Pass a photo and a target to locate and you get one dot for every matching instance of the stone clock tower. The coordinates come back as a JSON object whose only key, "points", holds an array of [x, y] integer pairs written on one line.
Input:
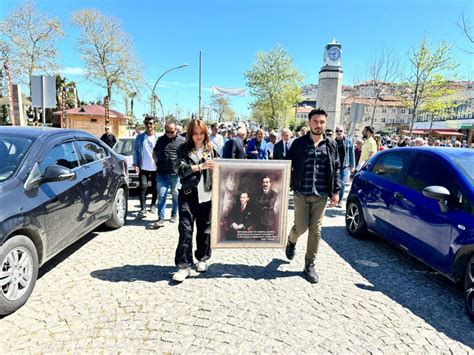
{"points": [[330, 84]]}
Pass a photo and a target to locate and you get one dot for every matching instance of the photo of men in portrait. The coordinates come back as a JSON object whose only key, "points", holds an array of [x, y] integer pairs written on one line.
{"points": [[250, 205]]}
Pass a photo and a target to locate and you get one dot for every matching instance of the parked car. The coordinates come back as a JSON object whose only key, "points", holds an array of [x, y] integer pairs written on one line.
{"points": [[422, 200], [56, 185], [125, 146]]}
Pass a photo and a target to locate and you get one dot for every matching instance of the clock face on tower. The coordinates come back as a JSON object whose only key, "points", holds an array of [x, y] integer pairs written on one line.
{"points": [[334, 54]]}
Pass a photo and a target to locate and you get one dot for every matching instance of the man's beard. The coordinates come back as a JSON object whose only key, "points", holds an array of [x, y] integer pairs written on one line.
{"points": [[317, 132]]}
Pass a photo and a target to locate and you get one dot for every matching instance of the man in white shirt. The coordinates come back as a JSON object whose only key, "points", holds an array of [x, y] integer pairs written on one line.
{"points": [[216, 139], [144, 164], [271, 144]]}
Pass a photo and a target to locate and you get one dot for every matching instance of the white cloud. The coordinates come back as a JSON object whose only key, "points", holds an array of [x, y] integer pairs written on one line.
{"points": [[72, 71]]}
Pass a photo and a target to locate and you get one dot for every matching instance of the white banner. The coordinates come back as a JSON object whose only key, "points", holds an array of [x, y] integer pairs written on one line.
{"points": [[229, 91]]}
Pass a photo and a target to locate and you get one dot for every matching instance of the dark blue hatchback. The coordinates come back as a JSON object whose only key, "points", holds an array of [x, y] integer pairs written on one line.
{"points": [[422, 200]]}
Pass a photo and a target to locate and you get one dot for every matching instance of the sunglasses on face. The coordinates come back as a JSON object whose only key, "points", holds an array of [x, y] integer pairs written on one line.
{"points": [[338, 130], [169, 132], [149, 123]]}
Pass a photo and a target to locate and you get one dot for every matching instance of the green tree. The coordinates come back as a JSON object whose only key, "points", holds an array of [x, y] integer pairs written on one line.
{"points": [[442, 99], [107, 51], [275, 84], [31, 38], [427, 69], [221, 106], [69, 87]]}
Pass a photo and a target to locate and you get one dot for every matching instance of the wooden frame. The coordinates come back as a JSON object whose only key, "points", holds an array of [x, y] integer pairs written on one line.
{"points": [[263, 221]]}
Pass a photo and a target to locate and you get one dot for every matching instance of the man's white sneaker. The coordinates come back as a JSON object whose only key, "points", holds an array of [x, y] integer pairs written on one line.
{"points": [[181, 274], [201, 266]]}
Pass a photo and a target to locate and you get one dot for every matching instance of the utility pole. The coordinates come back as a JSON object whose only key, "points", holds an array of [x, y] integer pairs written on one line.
{"points": [[200, 77]]}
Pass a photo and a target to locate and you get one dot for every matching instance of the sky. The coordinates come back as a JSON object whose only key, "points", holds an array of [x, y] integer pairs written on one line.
{"points": [[229, 33]]}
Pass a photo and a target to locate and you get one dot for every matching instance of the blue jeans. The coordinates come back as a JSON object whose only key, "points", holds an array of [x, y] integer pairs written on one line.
{"points": [[344, 175], [163, 182]]}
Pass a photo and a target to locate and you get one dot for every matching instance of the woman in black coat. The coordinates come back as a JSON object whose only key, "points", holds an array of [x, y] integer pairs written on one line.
{"points": [[194, 165]]}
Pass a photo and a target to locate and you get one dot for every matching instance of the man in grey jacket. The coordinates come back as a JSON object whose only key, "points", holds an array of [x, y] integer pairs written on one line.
{"points": [[345, 150]]}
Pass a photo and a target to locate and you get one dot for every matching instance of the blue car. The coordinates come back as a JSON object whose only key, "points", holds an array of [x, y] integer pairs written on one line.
{"points": [[422, 200]]}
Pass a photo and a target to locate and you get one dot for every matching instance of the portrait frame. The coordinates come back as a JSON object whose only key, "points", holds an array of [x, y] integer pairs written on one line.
{"points": [[245, 212]]}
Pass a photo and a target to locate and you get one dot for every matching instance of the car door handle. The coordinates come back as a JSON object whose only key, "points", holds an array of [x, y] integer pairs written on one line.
{"points": [[398, 196], [85, 181]]}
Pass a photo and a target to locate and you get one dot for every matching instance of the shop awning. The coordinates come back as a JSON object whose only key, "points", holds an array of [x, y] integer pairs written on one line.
{"points": [[449, 134], [413, 132]]}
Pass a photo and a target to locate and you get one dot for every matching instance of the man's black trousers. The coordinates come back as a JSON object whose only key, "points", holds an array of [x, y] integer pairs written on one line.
{"points": [[145, 176]]}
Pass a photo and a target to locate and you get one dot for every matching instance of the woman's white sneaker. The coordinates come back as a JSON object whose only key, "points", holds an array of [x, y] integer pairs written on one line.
{"points": [[181, 274], [201, 266]]}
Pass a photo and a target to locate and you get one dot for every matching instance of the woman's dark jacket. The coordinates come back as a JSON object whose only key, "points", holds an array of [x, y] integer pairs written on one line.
{"points": [[184, 164], [297, 156]]}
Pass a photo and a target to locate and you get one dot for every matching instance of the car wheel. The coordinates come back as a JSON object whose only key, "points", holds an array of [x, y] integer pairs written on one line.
{"points": [[18, 272], [119, 210], [469, 288], [355, 221]]}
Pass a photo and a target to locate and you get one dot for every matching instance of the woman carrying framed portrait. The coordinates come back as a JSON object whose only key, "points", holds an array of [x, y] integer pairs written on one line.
{"points": [[194, 164]]}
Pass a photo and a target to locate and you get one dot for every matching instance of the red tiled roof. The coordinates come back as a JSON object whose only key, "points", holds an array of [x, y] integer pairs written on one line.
{"points": [[92, 110]]}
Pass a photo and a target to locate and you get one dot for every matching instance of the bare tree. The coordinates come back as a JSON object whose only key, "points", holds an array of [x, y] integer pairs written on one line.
{"points": [[466, 26], [106, 50], [32, 39], [382, 71]]}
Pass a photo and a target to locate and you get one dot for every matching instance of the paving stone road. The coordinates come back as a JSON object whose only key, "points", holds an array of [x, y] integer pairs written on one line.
{"points": [[111, 292]]}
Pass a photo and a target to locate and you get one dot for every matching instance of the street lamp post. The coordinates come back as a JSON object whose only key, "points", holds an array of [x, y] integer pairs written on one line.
{"points": [[155, 97]]}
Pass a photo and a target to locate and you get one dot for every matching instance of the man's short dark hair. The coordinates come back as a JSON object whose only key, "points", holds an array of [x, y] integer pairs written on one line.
{"points": [[317, 111], [267, 177], [214, 125], [369, 129], [149, 118]]}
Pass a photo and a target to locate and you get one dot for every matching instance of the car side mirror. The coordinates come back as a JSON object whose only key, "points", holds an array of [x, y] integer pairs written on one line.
{"points": [[439, 193], [55, 173]]}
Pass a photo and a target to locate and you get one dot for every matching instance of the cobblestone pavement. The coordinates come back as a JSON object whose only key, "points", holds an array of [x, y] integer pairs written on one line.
{"points": [[111, 292]]}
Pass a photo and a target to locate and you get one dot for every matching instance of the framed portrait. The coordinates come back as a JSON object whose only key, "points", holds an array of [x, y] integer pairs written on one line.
{"points": [[250, 203]]}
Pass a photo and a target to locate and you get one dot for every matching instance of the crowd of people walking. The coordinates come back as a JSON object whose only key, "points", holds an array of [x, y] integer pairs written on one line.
{"points": [[182, 163]]}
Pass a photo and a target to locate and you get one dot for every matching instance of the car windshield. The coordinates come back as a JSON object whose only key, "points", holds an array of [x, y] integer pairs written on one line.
{"points": [[466, 164], [125, 146], [12, 152]]}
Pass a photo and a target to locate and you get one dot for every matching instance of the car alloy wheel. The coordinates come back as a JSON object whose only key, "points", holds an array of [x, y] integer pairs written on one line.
{"points": [[355, 222], [16, 273], [121, 206], [352, 217], [469, 288], [119, 210]]}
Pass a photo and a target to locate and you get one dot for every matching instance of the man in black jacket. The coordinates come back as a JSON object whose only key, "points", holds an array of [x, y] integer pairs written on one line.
{"points": [[165, 155], [108, 138], [240, 218], [314, 179], [234, 147]]}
